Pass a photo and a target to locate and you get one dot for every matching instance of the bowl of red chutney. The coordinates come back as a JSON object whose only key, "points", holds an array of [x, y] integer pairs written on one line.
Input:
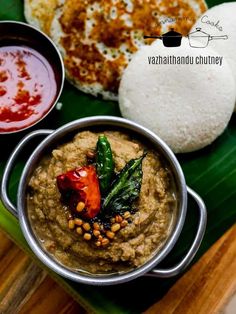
{"points": [[31, 76]]}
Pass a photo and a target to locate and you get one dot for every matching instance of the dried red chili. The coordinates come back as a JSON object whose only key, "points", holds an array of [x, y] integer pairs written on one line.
{"points": [[81, 185]]}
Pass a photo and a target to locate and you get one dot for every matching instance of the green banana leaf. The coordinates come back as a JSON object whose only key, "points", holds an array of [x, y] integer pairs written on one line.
{"points": [[211, 172]]}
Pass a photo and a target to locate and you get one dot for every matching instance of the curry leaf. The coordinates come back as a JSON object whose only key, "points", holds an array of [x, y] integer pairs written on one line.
{"points": [[126, 187]]}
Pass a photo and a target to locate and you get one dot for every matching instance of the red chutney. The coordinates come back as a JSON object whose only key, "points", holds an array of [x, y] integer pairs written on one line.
{"points": [[27, 87]]}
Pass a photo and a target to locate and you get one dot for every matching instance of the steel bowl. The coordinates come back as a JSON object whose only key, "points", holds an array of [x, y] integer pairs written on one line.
{"points": [[53, 138], [22, 34]]}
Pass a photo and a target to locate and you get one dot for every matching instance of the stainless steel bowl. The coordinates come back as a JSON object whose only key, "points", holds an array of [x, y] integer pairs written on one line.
{"points": [[22, 34], [68, 130]]}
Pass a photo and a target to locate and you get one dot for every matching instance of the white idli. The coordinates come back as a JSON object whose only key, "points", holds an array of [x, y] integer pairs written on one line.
{"points": [[188, 106], [217, 21]]}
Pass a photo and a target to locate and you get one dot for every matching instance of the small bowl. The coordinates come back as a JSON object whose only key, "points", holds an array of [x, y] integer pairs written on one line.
{"points": [[53, 138], [24, 36]]}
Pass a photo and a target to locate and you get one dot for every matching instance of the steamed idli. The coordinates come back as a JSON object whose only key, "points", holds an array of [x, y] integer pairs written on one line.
{"points": [[187, 105], [217, 21]]}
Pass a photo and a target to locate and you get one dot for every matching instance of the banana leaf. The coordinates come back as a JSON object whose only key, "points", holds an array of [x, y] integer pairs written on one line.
{"points": [[210, 171]]}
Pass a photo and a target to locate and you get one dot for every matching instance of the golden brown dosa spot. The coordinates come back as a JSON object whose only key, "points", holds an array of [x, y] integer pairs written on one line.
{"points": [[41, 11]]}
